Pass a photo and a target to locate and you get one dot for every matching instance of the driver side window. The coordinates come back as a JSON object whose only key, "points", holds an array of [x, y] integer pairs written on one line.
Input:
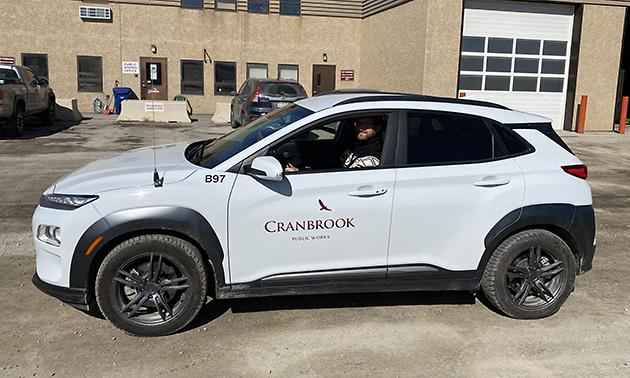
{"points": [[328, 146]]}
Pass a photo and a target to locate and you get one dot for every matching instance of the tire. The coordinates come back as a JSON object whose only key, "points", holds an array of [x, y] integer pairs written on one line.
{"points": [[48, 115], [16, 123], [154, 302], [530, 275]]}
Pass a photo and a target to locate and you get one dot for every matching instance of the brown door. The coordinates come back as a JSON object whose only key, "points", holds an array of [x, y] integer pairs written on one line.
{"points": [[153, 79], [323, 78]]}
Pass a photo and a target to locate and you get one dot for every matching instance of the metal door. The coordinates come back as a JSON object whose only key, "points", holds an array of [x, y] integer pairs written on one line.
{"points": [[323, 78], [153, 79]]}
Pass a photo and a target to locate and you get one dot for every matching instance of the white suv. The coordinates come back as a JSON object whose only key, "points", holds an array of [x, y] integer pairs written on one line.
{"points": [[466, 195]]}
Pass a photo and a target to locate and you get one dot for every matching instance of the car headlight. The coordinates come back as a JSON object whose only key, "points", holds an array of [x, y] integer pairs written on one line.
{"points": [[68, 201], [49, 234]]}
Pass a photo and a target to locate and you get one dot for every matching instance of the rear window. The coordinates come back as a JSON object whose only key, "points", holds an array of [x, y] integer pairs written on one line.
{"points": [[6, 74], [281, 89]]}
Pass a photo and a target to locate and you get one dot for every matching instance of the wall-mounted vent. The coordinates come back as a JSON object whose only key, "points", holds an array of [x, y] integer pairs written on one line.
{"points": [[95, 13]]}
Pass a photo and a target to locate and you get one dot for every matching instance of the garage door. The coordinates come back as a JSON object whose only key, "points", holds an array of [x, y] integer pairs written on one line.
{"points": [[517, 54]]}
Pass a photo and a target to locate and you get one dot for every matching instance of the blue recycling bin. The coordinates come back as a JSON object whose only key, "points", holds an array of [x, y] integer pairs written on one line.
{"points": [[120, 94]]}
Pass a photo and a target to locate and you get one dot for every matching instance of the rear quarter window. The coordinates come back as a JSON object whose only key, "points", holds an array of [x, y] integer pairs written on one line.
{"points": [[513, 142]]}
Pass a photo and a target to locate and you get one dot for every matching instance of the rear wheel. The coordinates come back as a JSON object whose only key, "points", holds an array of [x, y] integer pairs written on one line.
{"points": [[16, 123], [151, 285], [530, 275], [48, 115]]}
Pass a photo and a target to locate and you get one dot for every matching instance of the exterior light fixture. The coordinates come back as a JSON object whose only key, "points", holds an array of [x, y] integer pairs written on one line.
{"points": [[325, 57], [153, 49]]}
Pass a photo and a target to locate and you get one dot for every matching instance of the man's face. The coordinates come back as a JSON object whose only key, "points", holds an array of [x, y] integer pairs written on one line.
{"points": [[366, 129]]}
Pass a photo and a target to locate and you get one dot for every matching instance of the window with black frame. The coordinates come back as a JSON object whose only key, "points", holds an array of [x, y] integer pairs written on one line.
{"points": [[258, 6], [90, 73], [38, 63], [192, 77], [290, 7], [224, 77], [192, 3], [225, 5]]}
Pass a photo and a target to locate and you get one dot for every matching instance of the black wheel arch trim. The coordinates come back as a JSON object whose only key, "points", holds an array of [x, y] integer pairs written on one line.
{"points": [[574, 224], [114, 228]]}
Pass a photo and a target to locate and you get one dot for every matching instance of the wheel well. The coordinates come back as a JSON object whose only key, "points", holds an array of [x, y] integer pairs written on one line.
{"points": [[559, 231], [20, 104], [111, 244]]}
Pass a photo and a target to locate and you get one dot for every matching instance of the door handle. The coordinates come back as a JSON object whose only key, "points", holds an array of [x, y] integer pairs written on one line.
{"points": [[367, 192], [492, 181]]}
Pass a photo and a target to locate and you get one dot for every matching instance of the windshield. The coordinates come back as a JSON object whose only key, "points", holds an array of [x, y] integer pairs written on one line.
{"points": [[213, 152]]}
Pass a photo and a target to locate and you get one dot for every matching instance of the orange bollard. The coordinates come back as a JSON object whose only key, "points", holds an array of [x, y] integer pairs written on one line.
{"points": [[624, 114], [580, 128]]}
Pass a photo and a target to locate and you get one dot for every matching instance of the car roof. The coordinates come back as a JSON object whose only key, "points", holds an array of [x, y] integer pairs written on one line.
{"points": [[359, 96], [274, 80]]}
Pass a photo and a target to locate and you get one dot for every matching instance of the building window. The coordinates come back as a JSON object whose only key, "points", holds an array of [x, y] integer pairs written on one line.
{"points": [[257, 70], [90, 73], [225, 5], [192, 3], [224, 77], [512, 65], [258, 6], [290, 7], [289, 71], [38, 63], [192, 77]]}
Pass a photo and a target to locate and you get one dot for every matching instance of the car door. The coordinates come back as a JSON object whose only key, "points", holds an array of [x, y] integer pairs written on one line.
{"points": [[240, 101], [34, 91], [456, 183], [313, 226]]}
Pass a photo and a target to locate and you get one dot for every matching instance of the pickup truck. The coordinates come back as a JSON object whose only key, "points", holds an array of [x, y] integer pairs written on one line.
{"points": [[23, 94]]}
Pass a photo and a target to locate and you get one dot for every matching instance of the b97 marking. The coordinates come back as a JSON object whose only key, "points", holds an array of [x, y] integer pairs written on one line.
{"points": [[214, 179]]}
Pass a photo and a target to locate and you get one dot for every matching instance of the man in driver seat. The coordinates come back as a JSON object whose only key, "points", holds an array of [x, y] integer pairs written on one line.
{"points": [[368, 146]]}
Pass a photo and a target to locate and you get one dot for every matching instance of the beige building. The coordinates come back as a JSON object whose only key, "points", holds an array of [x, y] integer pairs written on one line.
{"points": [[537, 56]]}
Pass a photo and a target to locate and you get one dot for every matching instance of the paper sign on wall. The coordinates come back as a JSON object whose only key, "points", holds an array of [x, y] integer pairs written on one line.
{"points": [[131, 68], [153, 71]]}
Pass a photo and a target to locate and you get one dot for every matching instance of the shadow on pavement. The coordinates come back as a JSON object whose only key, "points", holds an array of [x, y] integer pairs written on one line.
{"points": [[216, 308], [34, 128]]}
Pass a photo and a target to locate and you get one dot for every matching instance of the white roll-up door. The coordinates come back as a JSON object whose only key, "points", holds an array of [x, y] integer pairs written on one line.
{"points": [[517, 54]]}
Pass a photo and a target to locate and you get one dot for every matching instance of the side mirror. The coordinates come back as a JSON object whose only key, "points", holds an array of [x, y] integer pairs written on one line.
{"points": [[43, 82], [233, 93], [266, 168]]}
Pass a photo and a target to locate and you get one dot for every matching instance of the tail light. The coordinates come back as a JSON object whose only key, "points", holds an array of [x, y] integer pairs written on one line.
{"points": [[1, 95], [579, 171], [255, 98], [305, 94]]}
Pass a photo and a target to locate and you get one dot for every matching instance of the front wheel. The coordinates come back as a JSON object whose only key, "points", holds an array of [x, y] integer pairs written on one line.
{"points": [[151, 285], [530, 275], [48, 115]]}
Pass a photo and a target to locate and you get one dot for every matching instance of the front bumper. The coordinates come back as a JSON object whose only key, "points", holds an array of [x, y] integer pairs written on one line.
{"points": [[77, 298]]}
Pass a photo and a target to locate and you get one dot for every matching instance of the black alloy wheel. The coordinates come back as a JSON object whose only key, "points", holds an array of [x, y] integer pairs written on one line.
{"points": [[48, 116], [151, 285], [530, 275]]}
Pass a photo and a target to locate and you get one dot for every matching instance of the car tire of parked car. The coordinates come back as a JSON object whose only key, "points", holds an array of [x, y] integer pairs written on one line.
{"points": [[48, 116], [154, 301], [16, 122], [530, 275]]}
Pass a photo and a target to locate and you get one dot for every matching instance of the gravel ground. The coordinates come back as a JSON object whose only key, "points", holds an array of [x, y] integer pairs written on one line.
{"points": [[383, 335]]}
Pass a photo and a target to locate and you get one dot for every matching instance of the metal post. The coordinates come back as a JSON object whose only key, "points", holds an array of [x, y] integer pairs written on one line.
{"points": [[624, 114], [580, 128]]}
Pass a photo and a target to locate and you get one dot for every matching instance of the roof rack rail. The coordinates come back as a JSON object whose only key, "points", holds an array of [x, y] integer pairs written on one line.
{"points": [[389, 96], [349, 91]]}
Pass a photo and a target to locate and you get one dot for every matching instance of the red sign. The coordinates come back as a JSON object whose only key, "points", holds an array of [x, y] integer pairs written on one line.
{"points": [[347, 75], [7, 60]]}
